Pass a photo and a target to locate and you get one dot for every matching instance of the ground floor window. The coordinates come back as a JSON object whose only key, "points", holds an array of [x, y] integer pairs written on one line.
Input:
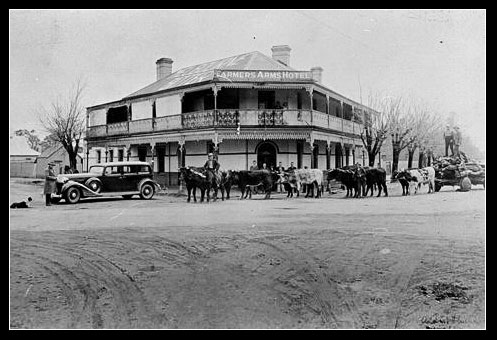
{"points": [[161, 153], [315, 157], [142, 153]]}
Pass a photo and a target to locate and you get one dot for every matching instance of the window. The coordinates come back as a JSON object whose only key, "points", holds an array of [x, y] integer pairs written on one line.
{"points": [[120, 155], [137, 169], [300, 151], [161, 154], [154, 110], [97, 170], [99, 156], [117, 114], [142, 153], [266, 99], [299, 101], [111, 155], [228, 99], [347, 111]]}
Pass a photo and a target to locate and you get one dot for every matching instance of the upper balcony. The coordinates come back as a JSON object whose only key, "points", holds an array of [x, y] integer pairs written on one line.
{"points": [[227, 118]]}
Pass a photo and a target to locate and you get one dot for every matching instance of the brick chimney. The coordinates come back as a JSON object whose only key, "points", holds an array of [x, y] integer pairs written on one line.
{"points": [[164, 67], [317, 73], [281, 53]]}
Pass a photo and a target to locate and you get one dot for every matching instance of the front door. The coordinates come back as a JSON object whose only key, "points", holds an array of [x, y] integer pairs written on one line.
{"points": [[266, 153]]}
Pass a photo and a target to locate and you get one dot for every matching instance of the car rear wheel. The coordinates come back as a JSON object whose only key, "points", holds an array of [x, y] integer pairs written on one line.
{"points": [[72, 195], [147, 191]]}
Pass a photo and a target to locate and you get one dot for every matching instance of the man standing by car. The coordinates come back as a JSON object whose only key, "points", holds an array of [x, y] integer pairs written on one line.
{"points": [[50, 179]]}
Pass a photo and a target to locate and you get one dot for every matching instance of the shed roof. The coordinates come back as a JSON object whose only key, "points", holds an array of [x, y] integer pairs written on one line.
{"points": [[19, 147]]}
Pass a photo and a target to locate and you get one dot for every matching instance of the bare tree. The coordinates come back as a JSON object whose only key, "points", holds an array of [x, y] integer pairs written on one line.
{"points": [[375, 127], [401, 124], [65, 121], [423, 123]]}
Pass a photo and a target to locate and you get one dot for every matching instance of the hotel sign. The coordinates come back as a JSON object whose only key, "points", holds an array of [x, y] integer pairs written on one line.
{"points": [[262, 76]]}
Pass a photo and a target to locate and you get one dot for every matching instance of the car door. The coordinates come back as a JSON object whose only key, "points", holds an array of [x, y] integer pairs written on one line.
{"points": [[131, 178], [112, 179]]}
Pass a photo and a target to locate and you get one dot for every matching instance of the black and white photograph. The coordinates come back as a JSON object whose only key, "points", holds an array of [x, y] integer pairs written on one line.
{"points": [[247, 169]]}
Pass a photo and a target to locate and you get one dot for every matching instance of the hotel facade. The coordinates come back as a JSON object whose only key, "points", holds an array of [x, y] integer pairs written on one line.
{"points": [[242, 108]]}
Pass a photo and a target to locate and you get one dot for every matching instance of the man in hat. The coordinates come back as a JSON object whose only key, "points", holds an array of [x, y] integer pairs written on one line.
{"points": [[449, 140], [457, 140], [50, 179], [254, 166], [212, 166]]}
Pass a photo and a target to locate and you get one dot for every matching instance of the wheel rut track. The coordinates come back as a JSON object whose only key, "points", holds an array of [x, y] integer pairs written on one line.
{"points": [[321, 291], [129, 302]]}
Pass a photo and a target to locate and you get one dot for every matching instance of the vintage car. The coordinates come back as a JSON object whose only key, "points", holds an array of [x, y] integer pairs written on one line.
{"points": [[108, 179]]}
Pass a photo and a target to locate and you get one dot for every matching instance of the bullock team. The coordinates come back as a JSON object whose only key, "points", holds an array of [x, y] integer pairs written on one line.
{"points": [[359, 181]]}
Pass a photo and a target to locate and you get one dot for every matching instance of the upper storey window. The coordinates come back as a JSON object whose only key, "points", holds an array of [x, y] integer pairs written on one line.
{"points": [[117, 114]]}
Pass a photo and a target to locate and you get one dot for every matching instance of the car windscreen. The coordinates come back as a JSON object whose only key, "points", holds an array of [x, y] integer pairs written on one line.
{"points": [[97, 170]]}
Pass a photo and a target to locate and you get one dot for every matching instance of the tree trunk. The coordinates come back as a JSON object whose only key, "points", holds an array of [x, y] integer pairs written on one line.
{"points": [[421, 159], [371, 158], [73, 162], [410, 158], [395, 157]]}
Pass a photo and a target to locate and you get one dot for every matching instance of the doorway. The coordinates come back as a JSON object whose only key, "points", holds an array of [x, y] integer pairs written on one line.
{"points": [[266, 153]]}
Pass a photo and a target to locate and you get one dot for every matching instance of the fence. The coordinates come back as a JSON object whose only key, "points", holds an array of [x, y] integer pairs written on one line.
{"points": [[22, 169]]}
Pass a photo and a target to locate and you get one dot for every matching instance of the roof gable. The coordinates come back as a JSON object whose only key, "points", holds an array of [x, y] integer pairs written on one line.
{"points": [[19, 147], [205, 72]]}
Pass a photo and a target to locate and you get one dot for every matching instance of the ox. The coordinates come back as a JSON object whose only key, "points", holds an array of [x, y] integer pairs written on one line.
{"points": [[359, 179], [194, 178], [415, 178], [249, 189], [428, 174], [255, 177], [344, 176], [310, 178], [376, 177], [225, 183]]}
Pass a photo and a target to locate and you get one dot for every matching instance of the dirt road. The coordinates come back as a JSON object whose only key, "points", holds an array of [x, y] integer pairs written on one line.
{"points": [[394, 262]]}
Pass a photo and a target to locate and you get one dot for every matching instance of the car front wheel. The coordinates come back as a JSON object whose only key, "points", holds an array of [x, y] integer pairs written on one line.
{"points": [[94, 186], [72, 195], [147, 191]]}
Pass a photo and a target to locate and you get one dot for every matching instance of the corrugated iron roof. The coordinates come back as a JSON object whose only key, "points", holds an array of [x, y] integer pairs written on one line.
{"points": [[205, 72], [19, 147]]}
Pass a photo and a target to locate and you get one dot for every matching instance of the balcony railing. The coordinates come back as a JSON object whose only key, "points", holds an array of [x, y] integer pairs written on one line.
{"points": [[227, 118]]}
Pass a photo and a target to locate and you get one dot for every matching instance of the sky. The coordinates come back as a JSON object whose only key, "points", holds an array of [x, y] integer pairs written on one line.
{"points": [[435, 56]]}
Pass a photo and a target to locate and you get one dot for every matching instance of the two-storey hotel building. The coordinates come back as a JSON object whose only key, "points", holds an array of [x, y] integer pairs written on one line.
{"points": [[243, 108]]}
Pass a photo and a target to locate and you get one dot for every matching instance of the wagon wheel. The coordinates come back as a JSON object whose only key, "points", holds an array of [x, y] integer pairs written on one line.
{"points": [[465, 184]]}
